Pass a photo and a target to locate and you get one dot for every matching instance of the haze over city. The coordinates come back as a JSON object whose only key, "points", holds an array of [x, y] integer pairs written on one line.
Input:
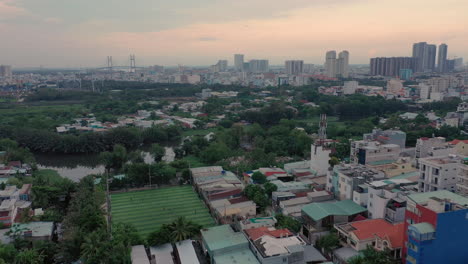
{"points": [[82, 33]]}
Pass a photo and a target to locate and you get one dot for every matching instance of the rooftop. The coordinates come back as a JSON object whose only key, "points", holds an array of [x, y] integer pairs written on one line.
{"points": [[424, 228], [423, 198], [244, 256], [187, 254], [220, 237], [37, 229], [163, 253], [318, 211], [368, 229]]}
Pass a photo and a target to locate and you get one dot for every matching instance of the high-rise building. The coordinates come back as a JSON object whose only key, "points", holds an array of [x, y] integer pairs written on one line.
{"points": [[221, 66], [337, 67], [406, 74], [294, 67], [330, 63], [5, 71], [391, 66], [258, 66], [442, 58], [343, 64], [239, 62], [425, 55]]}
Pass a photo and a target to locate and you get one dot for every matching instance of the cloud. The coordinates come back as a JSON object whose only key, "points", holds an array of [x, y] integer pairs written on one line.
{"points": [[207, 39], [9, 10], [53, 20]]}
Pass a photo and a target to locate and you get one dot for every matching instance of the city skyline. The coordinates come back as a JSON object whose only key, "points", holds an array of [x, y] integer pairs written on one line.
{"points": [[58, 34]]}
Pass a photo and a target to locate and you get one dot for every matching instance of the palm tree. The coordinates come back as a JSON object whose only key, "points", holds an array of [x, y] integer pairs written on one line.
{"points": [[95, 247], [29, 256], [182, 229]]}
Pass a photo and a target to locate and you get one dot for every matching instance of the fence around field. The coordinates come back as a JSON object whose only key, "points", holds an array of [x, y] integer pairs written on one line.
{"points": [[148, 210]]}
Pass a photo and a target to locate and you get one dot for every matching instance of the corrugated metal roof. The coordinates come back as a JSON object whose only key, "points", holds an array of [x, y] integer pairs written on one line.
{"points": [[318, 211]]}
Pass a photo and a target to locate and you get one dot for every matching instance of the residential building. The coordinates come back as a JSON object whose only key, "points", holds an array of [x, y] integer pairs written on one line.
{"points": [[34, 231], [425, 146], [228, 212], [391, 66], [276, 246], [345, 179], [186, 253], [291, 186], [319, 159], [394, 86], [294, 67], [239, 62], [442, 58], [406, 74], [293, 207], [380, 193], [337, 67], [162, 254], [389, 136], [425, 55], [5, 71], [438, 173], [138, 255], [318, 218], [462, 178], [350, 87], [376, 233], [258, 66], [268, 221], [373, 152], [436, 227], [10, 210], [222, 245]]}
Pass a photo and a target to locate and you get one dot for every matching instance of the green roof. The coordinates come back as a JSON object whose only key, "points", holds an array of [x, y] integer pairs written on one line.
{"points": [[424, 228], [244, 256], [261, 219], [422, 198], [38, 229], [381, 162], [318, 211], [220, 237]]}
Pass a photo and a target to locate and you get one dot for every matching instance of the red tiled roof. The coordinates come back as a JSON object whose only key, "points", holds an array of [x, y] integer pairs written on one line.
{"points": [[238, 200], [456, 141], [381, 228], [256, 233]]}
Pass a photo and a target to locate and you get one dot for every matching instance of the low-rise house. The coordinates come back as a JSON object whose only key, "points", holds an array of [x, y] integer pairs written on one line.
{"points": [[373, 152], [10, 210], [162, 254], [186, 253], [223, 246], [256, 222], [293, 207], [227, 212], [318, 218], [272, 245], [34, 230], [377, 233], [139, 255], [291, 186]]}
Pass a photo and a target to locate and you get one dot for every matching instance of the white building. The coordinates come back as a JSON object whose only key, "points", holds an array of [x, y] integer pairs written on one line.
{"points": [[350, 87], [438, 173], [373, 152], [319, 159]]}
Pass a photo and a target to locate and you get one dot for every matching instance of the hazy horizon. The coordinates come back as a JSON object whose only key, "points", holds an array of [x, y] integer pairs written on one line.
{"points": [[60, 34]]}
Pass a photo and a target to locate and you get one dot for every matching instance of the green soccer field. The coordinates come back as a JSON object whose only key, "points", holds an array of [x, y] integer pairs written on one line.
{"points": [[148, 210]]}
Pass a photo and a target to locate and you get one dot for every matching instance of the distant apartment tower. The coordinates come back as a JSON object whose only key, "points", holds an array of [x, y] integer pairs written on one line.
{"points": [[221, 66], [442, 58], [5, 71], [425, 55], [390, 66], [330, 63], [239, 62], [258, 66], [337, 67], [406, 74], [294, 67]]}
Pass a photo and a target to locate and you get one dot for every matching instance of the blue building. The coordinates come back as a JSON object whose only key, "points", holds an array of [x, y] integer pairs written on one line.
{"points": [[437, 228], [406, 74]]}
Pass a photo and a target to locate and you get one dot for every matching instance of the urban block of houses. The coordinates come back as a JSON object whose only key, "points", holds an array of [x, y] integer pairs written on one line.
{"points": [[271, 245], [12, 192], [346, 178], [270, 173], [10, 210], [436, 223], [318, 218], [376, 195], [377, 233], [390, 136], [13, 168], [223, 245], [34, 231], [291, 186], [227, 212], [373, 152], [293, 207]]}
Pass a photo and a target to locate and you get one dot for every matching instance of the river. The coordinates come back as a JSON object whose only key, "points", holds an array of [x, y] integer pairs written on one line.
{"points": [[77, 166]]}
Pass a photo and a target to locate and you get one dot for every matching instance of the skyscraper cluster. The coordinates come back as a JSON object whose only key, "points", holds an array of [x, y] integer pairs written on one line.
{"points": [[391, 66], [422, 60], [255, 66], [5, 71], [239, 62], [294, 67], [337, 67]]}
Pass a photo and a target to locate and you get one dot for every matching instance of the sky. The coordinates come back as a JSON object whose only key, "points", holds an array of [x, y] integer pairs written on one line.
{"points": [[82, 33]]}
